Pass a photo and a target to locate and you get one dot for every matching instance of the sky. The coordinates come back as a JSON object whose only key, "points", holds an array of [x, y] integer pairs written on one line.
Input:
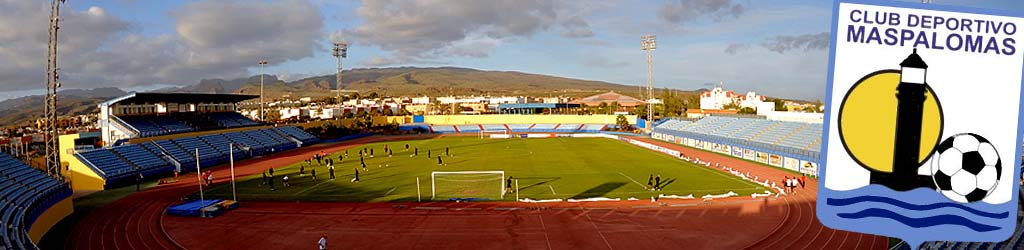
{"points": [[775, 48]]}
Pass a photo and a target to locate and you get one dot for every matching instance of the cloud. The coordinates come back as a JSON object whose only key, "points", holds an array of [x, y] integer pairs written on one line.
{"points": [[428, 30], [807, 42], [736, 48], [212, 39], [683, 11], [576, 27]]}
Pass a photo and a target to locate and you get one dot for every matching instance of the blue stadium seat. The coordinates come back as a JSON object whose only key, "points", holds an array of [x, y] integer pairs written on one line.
{"points": [[468, 128], [443, 129], [23, 197], [494, 128], [793, 137], [296, 133], [519, 127], [568, 127], [543, 128], [593, 128]]}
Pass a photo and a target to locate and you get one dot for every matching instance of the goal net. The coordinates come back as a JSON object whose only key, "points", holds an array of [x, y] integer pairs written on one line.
{"points": [[467, 185]]}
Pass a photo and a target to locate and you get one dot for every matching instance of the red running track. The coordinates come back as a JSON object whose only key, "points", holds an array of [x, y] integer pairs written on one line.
{"points": [[138, 222]]}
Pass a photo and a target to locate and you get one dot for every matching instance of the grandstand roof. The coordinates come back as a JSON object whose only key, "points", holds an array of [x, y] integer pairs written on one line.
{"points": [[178, 98], [623, 100]]}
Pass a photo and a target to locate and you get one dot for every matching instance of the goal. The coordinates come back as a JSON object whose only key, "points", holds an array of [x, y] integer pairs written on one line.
{"points": [[467, 185]]}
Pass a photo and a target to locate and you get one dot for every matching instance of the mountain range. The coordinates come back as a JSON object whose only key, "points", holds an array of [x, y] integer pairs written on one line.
{"points": [[401, 81]]}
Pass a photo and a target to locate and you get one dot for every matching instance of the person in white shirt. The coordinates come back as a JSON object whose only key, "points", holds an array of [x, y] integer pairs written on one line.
{"points": [[322, 243]]}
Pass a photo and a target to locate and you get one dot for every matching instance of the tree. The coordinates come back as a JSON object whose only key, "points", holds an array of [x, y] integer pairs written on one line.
{"points": [[780, 105], [602, 108], [641, 111], [672, 104], [614, 106], [273, 116], [622, 123], [692, 102], [388, 112], [747, 110], [730, 106]]}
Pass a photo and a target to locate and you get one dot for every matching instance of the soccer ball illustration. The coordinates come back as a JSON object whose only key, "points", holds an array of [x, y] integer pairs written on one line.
{"points": [[966, 168]]}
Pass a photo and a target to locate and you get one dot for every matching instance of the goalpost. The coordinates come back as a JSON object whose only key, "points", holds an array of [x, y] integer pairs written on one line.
{"points": [[467, 184]]}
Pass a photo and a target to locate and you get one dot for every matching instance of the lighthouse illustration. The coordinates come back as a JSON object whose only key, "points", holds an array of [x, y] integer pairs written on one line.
{"points": [[910, 96]]}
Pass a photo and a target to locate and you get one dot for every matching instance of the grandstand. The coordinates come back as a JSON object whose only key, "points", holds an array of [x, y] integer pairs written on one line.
{"points": [[776, 139], [26, 194], [140, 115], [519, 128], [118, 165]]}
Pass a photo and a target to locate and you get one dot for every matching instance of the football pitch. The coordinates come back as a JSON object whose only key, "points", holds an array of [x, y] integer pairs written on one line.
{"points": [[548, 168]]}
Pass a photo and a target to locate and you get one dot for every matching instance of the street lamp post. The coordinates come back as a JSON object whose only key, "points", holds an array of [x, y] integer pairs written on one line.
{"points": [[262, 64], [648, 44]]}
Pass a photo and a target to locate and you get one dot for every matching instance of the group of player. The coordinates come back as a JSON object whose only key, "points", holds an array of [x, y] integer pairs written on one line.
{"points": [[323, 159], [792, 182], [654, 182]]}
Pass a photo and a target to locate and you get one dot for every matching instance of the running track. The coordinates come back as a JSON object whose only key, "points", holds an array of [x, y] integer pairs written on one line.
{"points": [[138, 222]]}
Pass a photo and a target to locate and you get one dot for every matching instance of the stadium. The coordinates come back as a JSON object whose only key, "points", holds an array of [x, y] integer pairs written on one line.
{"points": [[412, 157], [486, 181]]}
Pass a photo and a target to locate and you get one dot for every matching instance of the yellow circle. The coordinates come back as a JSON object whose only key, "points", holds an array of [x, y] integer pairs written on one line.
{"points": [[867, 121]]}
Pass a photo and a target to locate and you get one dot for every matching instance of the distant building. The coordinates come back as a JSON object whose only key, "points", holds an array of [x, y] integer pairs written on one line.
{"points": [[718, 98]]}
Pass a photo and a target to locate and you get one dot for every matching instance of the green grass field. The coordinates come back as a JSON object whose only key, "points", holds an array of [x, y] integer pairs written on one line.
{"points": [[545, 168]]}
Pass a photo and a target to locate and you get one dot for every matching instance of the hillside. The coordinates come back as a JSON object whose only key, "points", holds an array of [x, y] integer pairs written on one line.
{"points": [[403, 81], [70, 102], [412, 81]]}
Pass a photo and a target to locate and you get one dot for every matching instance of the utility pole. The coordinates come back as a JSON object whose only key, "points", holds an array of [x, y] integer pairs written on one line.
{"points": [[50, 133], [647, 44]]}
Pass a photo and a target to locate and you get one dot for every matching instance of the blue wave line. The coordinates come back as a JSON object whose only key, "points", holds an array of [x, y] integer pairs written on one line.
{"points": [[919, 222], [905, 205]]}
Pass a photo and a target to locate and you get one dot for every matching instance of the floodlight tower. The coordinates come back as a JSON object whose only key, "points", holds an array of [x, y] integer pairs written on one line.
{"points": [[262, 64], [50, 134], [340, 51], [647, 44]]}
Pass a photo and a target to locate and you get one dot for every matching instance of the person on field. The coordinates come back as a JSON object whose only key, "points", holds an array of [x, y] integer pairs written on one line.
{"points": [[356, 180], [322, 243], [364, 166], [264, 178], [428, 154], [371, 153], [270, 179], [330, 169], [439, 160], [284, 181], [446, 151], [416, 152], [271, 170], [302, 170], [313, 173], [138, 179], [406, 147], [650, 182], [803, 181], [657, 182], [508, 185]]}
